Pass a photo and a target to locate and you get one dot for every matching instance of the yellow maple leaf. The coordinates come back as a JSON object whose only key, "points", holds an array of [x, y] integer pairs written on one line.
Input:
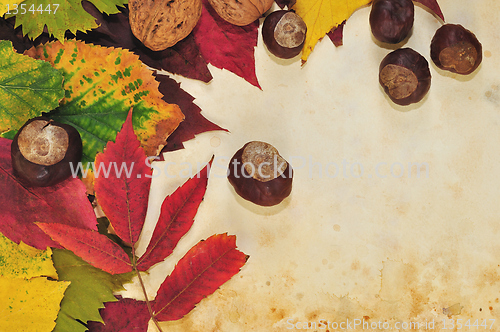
{"points": [[28, 300], [321, 16]]}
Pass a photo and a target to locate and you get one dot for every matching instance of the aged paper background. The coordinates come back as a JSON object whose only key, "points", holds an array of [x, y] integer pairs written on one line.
{"points": [[392, 247]]}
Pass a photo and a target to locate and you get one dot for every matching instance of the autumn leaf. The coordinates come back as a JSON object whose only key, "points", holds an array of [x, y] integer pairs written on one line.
{"points": [[89, 289], [6, 5], [23, 261], [203, 269], [193, 124], [30, 305], [126, 315], [433, 6], [321, 16], [227, 46], [183, 58], [94, 248], [124, 197], [28, 300], [336, 34], [176, 218], [58, 17], [65, 203], [102, 84], [27, 88]]}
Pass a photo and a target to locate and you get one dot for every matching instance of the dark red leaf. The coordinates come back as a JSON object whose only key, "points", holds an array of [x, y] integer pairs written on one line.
{"points": [[126, 315], [194, 123], [204, 268], [64, 203], [176, 218], [184, 58], [336, 34], [123, 197], [227, 46], [92, 247], [433, 6]]}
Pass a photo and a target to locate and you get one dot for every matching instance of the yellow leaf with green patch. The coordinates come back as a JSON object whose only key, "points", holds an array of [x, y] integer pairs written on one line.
{"points": [[28, 300], [23, 261], [102, 84], [27, 88], [321, 16], [30, 305]]}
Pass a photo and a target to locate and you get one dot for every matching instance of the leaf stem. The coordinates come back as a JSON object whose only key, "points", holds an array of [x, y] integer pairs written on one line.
{"points": [[134, 265]]}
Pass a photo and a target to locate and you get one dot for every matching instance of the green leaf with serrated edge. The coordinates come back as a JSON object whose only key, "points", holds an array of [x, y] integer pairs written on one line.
{"points": [[59, 16], [102, 84], [89, 289], [27, 88]]}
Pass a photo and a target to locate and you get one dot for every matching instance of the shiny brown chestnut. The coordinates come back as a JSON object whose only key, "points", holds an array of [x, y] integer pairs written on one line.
{"points": [[391, 20], [42, 151], [259, 174], [456, 49], [284, 33], [404, 74]]}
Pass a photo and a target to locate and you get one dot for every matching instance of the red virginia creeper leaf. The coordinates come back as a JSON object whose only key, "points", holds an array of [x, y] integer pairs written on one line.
{"points": [[92, 247], [126, 315], [194, 123], [433, 6], [64, 203], [123, 193], [336, 34], [176, 218], [227, 46], [198, 274]]}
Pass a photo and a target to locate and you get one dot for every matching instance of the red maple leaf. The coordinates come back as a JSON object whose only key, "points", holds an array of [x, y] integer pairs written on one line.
{"points": [[22, 207], [123, 196]]}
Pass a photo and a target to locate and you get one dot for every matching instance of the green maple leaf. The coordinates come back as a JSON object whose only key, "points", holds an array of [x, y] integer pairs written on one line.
{"points": [[89, 289], [59, 16]]}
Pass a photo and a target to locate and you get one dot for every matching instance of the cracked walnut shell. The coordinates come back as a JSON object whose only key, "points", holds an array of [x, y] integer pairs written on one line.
{"points": [[161, 24], [241, 12]]}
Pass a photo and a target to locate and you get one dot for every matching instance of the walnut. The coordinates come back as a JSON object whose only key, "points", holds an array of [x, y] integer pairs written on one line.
{"points": [[161, 24], [241, 12]]}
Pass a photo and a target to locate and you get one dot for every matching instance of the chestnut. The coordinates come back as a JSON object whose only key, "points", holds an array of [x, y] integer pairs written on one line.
{"points": [[42, 151], [456, 49], [391, 20], [284, 33], [404, 74], [259, 174]]}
